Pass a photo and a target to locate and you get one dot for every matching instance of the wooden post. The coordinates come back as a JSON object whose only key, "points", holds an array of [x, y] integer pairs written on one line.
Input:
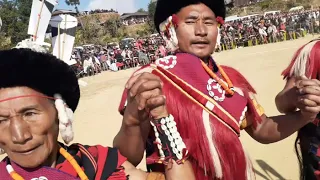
{"points": [[64, 36], [59, 45], [35, 36]]}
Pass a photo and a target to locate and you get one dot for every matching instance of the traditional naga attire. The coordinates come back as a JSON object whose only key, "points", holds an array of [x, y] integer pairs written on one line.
{"points": [[306, 62], [97, 162], [208, 120], [50, 76]]}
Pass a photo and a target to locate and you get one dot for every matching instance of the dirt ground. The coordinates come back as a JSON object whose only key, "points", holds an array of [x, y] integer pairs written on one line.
{"points": [[97, 119]]}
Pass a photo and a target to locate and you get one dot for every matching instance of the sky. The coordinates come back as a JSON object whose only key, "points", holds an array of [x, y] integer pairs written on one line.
{"points": [[122, 6]]}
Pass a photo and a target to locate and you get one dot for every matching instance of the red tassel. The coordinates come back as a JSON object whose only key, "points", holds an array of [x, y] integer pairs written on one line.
{"points": [[286, 72], [238, 79], [313, 63]]}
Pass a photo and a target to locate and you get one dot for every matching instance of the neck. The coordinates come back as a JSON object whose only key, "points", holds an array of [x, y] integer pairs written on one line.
{"points": [[206, 60]]}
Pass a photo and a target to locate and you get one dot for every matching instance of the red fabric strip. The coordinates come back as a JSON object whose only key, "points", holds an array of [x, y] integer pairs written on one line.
{"points": [[202, 100]]}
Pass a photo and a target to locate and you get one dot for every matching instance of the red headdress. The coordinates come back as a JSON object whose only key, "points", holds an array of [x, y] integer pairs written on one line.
{"points": [[305, 62], [220, 21]]}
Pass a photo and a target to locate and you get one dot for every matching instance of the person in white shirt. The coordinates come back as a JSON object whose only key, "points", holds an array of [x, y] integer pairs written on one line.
{"points": [[263, 33], [87, 65]]}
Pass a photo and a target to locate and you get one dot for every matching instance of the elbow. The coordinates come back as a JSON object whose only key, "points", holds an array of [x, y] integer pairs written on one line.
{"points": [[262, 138], [279, 104], [263, 135], [134, 161], [265, 141], [133, 157]]}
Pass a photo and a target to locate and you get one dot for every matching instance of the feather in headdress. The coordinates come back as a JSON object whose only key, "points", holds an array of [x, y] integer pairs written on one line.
{"points": [[305, 62]]}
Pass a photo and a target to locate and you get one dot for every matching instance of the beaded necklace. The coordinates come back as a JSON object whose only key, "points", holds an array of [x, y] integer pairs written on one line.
{"points": [[15, 176], [228, 88]]}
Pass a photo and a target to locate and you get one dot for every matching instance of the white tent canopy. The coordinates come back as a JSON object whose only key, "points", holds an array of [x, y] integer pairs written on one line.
{"points": [[297, 8]]}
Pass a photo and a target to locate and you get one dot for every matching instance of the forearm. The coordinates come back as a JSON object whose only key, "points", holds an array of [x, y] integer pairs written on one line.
{"points": [[284, 101], [274, 129], [131, 141]]}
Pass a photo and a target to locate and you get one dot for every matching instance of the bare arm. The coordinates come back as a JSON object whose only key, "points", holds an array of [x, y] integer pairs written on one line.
{"points": [[305, 97], [277, 128], [145, 100], [182, 171], [285, 101], [131, 141], [174, 172]]}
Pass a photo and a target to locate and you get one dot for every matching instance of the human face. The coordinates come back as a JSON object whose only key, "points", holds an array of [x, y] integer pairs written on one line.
{"points": [[197, 30], [29, 127]]}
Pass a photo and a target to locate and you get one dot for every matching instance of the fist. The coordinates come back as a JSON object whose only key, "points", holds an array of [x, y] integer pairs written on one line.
{"points": [[144, 99], [308, 97]]}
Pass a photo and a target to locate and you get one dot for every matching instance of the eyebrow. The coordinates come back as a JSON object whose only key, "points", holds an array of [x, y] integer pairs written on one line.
{"points": [[22, 110], [30, 107], [192, 16], [209, 18]]}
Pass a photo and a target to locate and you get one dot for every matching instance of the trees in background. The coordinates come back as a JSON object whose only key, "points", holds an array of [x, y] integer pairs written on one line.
{"points": [[151, 10], [74, 3], [15, 19]]}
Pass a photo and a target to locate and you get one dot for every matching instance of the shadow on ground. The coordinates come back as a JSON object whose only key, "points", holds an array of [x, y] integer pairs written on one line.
{"points": [[268, 171]]}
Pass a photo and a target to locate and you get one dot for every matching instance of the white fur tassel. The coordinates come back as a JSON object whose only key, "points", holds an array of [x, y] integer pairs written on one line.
{"points": [[34, 46], [172, 42], [213, 151], [65, 116], [300, 65]]}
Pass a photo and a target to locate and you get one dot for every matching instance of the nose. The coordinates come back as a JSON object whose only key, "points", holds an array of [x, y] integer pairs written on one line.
{"points": [[20, 131], [201, 29]]}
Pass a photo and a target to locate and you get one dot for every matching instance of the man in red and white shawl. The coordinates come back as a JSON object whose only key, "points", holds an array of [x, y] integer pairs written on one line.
{"points": [[210, 103]]}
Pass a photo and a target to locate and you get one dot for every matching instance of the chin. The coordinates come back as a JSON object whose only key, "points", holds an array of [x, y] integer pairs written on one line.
{"points": [[32, 160], [202, 55], [29, 162]]}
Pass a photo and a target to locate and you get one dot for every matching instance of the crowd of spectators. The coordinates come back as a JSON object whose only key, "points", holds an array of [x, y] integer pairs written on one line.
{"points": [[134, 20], [239, 32], [130, 53], [268, 28], [97, 11]]}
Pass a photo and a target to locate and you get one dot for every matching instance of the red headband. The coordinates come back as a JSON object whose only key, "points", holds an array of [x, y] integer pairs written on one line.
{"points": [[25, 96]]}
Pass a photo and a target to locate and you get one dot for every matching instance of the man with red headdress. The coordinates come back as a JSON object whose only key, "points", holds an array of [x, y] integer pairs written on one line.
{"points": [[302, 91], [209, 103]]}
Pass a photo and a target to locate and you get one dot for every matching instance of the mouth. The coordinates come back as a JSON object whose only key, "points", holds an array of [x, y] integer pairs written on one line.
{"points": [[26, 151], [200, 44]]}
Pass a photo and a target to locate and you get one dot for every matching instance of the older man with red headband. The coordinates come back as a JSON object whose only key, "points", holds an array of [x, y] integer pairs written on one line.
{"points": [[38, 95]]}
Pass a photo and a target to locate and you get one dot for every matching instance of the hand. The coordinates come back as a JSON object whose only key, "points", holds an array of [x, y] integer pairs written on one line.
{"points": [[145, 99], [308, 99]]}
